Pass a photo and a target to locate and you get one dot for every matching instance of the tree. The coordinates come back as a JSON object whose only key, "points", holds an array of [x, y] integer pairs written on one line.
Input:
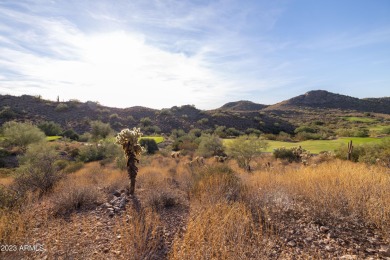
{"points": [[245, 148], [38, 171], [50, 128], [128, 139], [100, 130], [71, 134], [210, 145], [149, 144], [21, 134]]}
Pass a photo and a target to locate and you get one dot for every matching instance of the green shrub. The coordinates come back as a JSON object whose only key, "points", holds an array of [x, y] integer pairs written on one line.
{"points": [[50, 128], [149, 144], [38, 171], [73, 167], [71, 134], [61, 107], [294, 154], [21, 134], [100, 130], [210, 145], [245, 148], [386, 130], [7, 113]]}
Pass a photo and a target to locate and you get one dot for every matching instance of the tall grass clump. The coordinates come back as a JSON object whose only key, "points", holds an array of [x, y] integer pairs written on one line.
{"points": [[220, 231]]}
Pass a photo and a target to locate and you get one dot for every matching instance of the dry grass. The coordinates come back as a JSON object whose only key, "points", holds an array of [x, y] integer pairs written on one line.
{"points": [[333, 190], [221, 231], [233, 214]]}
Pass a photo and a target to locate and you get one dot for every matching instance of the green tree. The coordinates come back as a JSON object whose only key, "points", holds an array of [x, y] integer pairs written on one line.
{"points": [[149, 144], [245, 148], [71, 134], [100, 130], [210, 145], [50, 128], [38, 171], [21, 134]]}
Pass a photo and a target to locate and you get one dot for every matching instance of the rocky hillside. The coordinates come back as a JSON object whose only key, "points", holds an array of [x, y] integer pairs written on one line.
{"points": [[78, 115], [324, 99], [242, 105]]}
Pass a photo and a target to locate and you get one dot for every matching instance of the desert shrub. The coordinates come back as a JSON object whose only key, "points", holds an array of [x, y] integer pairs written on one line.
{"points": [[8, 197], [100, 130], [146, 121], [161, 196], [71, 134], [203, 121], [294, 154], [74, 196], [284, 137], [210, 145], [73, 167], [386, 130], [253, 131], [245, 148], [306, 129], [61, 164], [38, 171], [354, 132], [21, 134], [342, 151], [61, 107], [100, 151], [50, 128], [214, 184], [7, 113], [373, 153], [149, 144], [231, 131], [220, 131], [302, 136]]}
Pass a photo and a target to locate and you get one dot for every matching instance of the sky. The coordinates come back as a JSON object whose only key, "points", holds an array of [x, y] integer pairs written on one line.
{"points": [[164, 53]]}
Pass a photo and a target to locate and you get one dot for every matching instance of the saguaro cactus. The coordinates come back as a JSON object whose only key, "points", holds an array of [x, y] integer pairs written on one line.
{"points": [[129, 141], [350, 150]]}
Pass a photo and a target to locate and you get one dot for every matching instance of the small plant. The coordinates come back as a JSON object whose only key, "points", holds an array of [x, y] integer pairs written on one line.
{"points": [[128, 139], [294, 154]]}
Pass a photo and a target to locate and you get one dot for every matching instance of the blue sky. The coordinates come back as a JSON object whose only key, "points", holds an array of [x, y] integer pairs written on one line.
{"points": [[161, 53]]}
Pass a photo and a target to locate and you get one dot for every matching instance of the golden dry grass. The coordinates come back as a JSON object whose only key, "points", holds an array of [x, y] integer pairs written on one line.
{"points": [[232, 214]]}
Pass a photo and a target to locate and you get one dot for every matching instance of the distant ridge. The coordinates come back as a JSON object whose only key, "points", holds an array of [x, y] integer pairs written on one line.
{"points": [[242, 105], [324, 99]]}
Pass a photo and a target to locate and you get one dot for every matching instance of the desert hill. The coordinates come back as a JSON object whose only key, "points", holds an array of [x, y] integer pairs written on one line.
{"points": [[77, 115], [326, 100], [242, 105]]}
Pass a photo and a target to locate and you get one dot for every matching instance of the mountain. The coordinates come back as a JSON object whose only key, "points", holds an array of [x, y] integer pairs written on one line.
{"points": [[326, 100], [242, 105], [77, 115]]}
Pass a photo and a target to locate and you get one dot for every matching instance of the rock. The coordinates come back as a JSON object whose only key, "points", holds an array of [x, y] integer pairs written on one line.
{"points": [[111, 214], [106, 250], [114, 200], [116, 193], [122, 203], [291, 243], [117, 209], [330, 248], [107, 205], [118, 236], [348, 257], [370, 251], [324, 229], [385, 251]]}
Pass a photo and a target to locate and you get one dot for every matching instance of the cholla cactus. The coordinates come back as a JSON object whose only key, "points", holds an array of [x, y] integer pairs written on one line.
{"points": [[129, 141]]}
